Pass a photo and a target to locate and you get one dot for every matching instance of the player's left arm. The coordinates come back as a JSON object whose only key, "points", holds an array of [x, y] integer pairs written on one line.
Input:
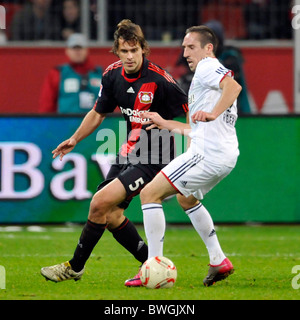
{"points": [[230, 91], [155, 120]]}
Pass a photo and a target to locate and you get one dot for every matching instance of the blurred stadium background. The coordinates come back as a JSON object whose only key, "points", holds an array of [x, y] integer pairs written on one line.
{"points": [[264, 187]]}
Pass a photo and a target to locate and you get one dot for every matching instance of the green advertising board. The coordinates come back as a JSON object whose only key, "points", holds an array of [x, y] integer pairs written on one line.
{"points": [[34, 188]]}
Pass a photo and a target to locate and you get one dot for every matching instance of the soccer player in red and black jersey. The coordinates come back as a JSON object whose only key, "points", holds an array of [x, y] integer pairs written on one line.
{"points": [[135, 85]]}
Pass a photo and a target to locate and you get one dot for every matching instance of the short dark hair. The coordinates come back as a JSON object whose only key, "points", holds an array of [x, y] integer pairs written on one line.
{"points": [[130, 32], [206, 36]]}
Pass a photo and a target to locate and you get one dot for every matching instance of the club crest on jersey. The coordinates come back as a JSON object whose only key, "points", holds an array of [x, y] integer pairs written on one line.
{"points": [[146, 97]]}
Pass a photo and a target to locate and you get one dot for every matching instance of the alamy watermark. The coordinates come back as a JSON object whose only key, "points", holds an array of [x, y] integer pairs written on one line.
{"points": [[2, 18], [296, 279], [296, 18], [145, 147], [2, 278]]}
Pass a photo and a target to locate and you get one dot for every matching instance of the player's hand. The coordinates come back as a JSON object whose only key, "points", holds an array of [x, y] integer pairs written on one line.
{"points": [[154, 119], [64, 148], [203, 116]]}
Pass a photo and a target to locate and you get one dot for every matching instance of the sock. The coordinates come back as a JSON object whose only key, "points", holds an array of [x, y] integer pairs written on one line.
{"points": [[127, 235], [155, 226], [90, 235], [204, 225]]}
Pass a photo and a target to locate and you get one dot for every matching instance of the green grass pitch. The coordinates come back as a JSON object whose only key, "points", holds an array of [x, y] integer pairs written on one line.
{"points": [[263, 257]]}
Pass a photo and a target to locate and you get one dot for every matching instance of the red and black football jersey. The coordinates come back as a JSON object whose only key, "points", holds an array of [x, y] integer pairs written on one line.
{"points": [[151, 89]]}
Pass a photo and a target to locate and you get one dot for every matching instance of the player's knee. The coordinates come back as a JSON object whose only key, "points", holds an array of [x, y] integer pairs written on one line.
{"points": [[143, 195], [146, 195], [99, 206], [186, 202]]}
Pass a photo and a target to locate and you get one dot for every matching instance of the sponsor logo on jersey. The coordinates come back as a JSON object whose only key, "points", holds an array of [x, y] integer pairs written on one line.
{"points": [[191, 98], [134, 114]]}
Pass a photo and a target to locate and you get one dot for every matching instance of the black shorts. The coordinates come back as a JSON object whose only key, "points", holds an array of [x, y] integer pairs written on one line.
{"points": [[134, 177]]}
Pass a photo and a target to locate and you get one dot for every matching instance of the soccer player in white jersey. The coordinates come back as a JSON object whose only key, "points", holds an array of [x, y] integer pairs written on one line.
{"points": [[211, 155]]}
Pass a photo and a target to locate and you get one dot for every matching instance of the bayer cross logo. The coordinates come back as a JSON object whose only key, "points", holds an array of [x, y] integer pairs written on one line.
{"points": [[2, 18]]}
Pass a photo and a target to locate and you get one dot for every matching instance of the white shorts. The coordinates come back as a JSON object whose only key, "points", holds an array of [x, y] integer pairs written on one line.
{"points": [[190, 174]]}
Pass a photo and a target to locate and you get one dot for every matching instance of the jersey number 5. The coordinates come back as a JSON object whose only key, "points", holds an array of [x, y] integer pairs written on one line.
{"points": [[137, 184]]}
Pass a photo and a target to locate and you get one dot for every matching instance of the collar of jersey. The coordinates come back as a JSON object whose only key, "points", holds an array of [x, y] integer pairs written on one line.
{"points": [[131, 79]]}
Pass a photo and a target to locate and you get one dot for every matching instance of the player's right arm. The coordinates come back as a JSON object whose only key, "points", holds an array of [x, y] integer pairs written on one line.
{"points": [[88, 125], [230, 91], [104, 104]]}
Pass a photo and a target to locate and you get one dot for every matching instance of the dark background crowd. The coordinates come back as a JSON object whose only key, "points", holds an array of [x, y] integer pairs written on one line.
{"points": [[161, 20]]}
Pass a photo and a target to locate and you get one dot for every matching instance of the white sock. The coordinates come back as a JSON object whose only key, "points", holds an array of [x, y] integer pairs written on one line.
{"points": [[155, 226], [204, 225]]}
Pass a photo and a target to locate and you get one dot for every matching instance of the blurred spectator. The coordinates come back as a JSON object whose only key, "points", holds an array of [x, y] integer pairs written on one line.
{"points": [[257, 17], [74, 86], [94, 19], [280, 24], [3, 38], [161, 20], [35, 22], [186, 75], [70, 18], [268, 19]]}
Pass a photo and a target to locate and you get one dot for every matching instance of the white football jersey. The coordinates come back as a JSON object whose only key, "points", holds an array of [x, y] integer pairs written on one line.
{"points": [[215, 140]]}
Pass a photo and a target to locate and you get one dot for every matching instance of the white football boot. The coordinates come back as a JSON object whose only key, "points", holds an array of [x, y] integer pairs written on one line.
{"points": [[61, 272]]}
